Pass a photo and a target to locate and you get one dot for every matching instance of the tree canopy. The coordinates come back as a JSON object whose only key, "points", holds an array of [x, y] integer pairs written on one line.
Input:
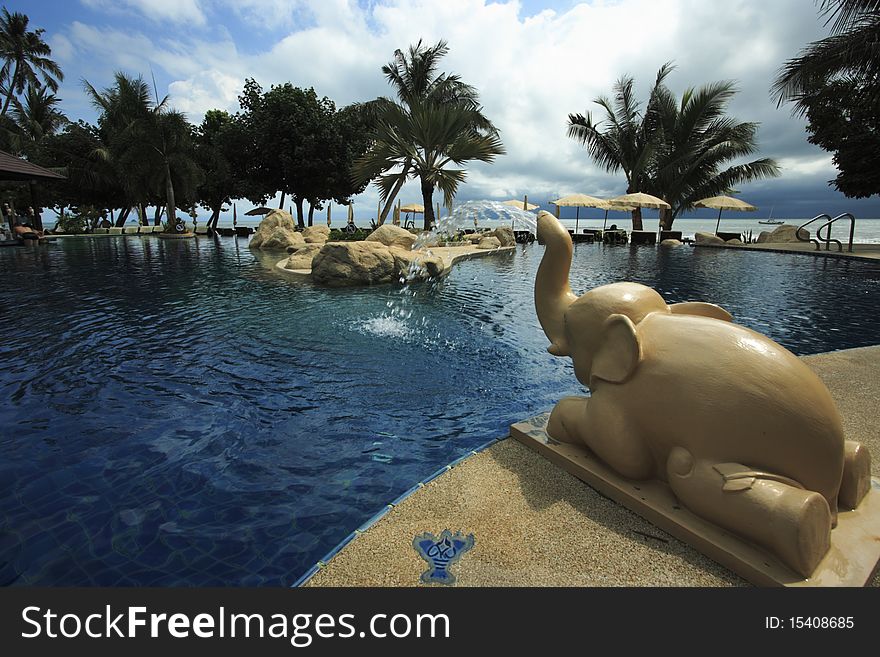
{"points": [[835, 84], [678, 150]]}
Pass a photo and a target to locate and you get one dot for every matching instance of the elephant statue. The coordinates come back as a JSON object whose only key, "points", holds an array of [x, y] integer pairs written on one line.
{"points": [[745, 434]]}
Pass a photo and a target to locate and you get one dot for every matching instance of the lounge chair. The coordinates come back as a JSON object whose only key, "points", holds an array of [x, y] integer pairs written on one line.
{"points": [[130, 230], [114, 231], [100, 231]]}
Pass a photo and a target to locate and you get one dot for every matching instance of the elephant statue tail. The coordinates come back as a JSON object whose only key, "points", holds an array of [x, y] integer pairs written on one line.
{"points": [[553, 294]]}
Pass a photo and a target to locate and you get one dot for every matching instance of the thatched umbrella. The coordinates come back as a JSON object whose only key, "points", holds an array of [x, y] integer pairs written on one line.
{"points": [[724, 203], [414, 208], [256, 212], [637, 200], [579, 201], [522, 205]]}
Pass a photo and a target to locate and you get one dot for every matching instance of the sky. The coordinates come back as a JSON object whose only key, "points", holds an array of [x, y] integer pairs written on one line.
{"points": [[532, 61]]}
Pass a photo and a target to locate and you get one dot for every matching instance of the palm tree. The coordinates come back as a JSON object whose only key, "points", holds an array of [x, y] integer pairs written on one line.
{"points": [[151, 143], [693, 141], [37, 114], [852, 51], [415, 79], [676, 150], [424, 140], [627, 143], [25, 58]]}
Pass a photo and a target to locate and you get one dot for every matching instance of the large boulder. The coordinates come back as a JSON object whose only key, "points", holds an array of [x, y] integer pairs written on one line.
{"points": [[277, 231], [302, 257], [735, 241], [489, 243], [391, 235], [341, 264], [474, 238], [670, 242], [707, 238], [416, 265], [783, 234], [317, 234], [504, 235]]}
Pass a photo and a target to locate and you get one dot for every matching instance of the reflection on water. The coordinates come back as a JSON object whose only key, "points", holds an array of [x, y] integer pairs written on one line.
{"points": [[179, 413]]}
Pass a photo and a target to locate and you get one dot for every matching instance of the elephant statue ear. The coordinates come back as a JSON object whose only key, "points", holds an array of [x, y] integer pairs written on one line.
{"points": [[700, 309], [619, 350]]}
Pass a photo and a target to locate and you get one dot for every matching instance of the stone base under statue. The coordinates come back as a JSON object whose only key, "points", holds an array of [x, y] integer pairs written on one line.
{"points": [[855, 542]]}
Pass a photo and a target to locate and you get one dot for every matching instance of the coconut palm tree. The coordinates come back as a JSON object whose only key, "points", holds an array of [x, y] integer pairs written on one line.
{"points": [[428, 141], [151, 143], [851, 51], [624, 139], [37, 113], [25, 58], [416, 81], [677, 150], [693, 142]]}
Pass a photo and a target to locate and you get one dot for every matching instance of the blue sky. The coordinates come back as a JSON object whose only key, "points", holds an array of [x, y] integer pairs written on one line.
{"points": [[533, 62]]}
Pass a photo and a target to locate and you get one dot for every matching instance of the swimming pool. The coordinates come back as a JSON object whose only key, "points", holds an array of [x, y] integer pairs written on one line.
{"points": [[177, 414]]}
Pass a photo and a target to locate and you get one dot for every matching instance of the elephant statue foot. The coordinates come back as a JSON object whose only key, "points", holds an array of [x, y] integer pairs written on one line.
{"points": [[744, 433], [770, 510]]}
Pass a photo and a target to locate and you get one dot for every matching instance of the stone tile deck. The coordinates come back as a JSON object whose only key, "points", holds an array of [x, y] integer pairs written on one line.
{"points": [[860, 251], [536, 525]]}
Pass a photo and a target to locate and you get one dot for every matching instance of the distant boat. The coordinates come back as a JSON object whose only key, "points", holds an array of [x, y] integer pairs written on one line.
{"points": [[770, 220]]}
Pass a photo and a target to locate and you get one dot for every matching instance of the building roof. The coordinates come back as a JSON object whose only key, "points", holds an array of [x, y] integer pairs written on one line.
{"points": [[15, 168]]}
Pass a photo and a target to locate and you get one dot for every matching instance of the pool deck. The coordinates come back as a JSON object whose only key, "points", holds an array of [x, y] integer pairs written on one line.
{"points": [[448, 254], [859, 252], [536, 525]]}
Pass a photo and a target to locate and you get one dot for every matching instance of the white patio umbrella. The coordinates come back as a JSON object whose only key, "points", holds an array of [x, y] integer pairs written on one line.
{"points": [[724, 203]]}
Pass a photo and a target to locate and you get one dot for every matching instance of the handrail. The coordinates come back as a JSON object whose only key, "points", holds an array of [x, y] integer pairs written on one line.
{"points": [[797, 233], [827, 239]]}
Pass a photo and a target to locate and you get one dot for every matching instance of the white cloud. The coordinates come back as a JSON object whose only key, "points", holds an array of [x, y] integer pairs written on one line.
{"points": [[531, 71], [154, 10]]}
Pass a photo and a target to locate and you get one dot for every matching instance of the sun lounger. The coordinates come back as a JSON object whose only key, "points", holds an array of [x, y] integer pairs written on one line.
{"points": [[101, 231], [149, 230], [130, 230], [114, 231]]}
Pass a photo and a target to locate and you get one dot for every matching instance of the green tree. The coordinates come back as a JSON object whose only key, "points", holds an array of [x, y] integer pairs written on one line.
{"points": [[852, 51], [694, 143], [25, 58], [843, 118], [679, 150], [431, 137], [405, 146], [219, 144], [415, 78], [38, 114], [150, 143], [297, 145], [835, 83], [624, 140]]}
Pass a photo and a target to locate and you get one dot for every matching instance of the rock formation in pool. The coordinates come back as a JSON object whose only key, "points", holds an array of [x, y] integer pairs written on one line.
{"points": [[744, 433]]}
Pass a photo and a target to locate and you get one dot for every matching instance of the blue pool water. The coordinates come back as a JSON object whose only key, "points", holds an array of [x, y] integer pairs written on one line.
{"points": [[177, 414]]}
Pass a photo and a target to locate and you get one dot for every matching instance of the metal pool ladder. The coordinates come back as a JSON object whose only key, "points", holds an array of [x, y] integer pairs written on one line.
{"points": [[827, 237]]}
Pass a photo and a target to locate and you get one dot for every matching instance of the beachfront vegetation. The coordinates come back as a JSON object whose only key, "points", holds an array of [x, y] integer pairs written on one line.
{"points": [[25, 58], [436, 122], [678, 150], [835, 84]]}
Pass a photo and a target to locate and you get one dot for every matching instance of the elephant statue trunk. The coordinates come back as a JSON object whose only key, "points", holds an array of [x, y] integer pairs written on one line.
{"points": [[667, 379], [553, 295]]}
